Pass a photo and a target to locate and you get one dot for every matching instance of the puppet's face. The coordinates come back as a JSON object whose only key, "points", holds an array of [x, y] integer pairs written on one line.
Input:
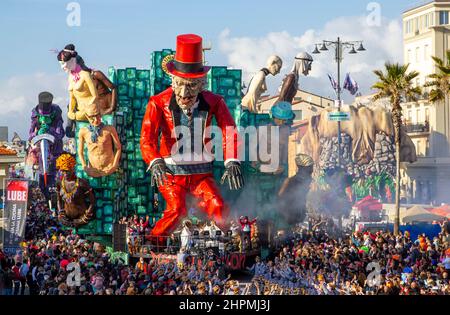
{"points": [[304, 66], [69, 65], [69, 174], [275, 68], [94, 120], [187, 90], [274, 64]]}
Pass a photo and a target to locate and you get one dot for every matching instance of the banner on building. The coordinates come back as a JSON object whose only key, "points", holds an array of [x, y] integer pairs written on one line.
{"points": [[15, 214]]}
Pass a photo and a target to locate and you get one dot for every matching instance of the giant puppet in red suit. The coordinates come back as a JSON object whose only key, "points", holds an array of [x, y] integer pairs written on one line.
{"points": [[179, 169]]}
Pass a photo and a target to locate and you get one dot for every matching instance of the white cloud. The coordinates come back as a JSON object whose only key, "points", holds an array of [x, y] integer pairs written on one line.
{"points": [[383, 43], [19, 94]]}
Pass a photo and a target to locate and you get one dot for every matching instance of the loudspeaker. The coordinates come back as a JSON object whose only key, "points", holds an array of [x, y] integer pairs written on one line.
{"points": [[119, 237]]}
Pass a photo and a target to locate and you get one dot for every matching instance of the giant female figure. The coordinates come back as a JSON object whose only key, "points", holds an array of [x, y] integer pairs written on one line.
{"points": [[86, 86]]}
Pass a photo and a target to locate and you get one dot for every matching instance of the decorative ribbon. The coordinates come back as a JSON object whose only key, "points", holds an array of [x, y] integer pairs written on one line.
{"points": [[196, 67], [76, 73], [95, 131]]}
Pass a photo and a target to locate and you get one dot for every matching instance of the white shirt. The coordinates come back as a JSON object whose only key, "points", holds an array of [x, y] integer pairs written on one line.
{"points": [[185, 237]]}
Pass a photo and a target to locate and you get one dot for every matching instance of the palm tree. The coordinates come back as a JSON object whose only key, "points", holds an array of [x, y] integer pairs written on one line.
{"points": [[396, 83], [440, 83]]}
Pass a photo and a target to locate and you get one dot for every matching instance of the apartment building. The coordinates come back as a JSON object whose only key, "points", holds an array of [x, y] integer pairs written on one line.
{"points": [[426, 31]]}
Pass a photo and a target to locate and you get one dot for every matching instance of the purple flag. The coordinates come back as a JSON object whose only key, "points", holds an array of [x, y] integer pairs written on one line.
{"points": [[350, 84], [333, 82]]}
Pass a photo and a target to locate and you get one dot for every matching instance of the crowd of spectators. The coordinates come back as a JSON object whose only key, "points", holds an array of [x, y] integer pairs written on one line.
{"points": [[41, 220], [311, 263], [307, 261]]}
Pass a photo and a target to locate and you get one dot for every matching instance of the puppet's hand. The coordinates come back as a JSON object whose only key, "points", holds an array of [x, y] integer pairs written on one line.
{"points": [[233, 174], [159, 170]]}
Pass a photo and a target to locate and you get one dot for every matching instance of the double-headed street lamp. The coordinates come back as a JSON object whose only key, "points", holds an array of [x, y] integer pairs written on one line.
{"points": [[339, 47]]}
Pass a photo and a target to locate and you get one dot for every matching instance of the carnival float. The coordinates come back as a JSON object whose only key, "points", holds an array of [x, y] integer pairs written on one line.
{"points": [[120, 160]]}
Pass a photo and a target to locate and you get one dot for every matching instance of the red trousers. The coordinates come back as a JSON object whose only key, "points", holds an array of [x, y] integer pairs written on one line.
{"points": [[175, 190]]}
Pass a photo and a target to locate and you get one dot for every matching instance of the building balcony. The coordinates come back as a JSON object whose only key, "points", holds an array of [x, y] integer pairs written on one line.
{"points": [[418, 128]]}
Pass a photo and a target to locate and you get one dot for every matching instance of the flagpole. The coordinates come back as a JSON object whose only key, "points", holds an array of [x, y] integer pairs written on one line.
{"points": [[339, 49], [338, 60]]}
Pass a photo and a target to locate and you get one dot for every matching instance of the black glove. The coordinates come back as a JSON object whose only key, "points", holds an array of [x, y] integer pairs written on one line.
{"points": [[159, 170], [233, 173]]}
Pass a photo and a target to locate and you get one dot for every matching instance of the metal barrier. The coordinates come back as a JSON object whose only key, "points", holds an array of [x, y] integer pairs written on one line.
{"points": [[143, 245]]}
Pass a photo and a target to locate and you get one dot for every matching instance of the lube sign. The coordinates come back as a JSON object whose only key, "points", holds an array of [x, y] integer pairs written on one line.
{"points": [[339, 116], [16, 195], [15, 214]]}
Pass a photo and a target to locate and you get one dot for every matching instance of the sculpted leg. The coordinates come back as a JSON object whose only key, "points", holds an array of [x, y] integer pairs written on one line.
{"points": [[211, 198], [175, 197]]}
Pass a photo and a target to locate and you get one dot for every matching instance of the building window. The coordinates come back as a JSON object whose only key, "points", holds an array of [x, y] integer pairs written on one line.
{"points": [[417, 54], [419, 147], [426, 20], [408, 26], [427, 115], [410, 116], [426, 52], [418, 116], [443, 17]]}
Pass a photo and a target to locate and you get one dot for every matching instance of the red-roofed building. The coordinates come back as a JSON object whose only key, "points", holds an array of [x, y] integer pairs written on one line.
{"points": [[6, 151]]}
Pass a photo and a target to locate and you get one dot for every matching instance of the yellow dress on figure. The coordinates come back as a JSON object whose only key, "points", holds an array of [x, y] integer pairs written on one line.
{"points": [[82, 94]]}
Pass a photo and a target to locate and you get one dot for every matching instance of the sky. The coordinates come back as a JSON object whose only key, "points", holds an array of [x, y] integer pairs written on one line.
{"points": [[243, 34]]}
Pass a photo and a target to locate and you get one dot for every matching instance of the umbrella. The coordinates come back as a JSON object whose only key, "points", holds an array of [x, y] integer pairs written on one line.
{"points": [[443, 210], [419, 214]]}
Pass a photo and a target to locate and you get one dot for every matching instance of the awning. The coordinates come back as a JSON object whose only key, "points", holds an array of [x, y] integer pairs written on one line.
{"points": [[420, 214], [443, 210]]}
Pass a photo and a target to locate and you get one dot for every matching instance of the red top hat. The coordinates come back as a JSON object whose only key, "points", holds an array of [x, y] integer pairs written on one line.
{"points": [[188, 61]]}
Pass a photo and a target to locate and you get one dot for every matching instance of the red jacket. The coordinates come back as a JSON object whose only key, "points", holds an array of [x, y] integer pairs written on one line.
{"points": [[16, 271], [163, 114]]}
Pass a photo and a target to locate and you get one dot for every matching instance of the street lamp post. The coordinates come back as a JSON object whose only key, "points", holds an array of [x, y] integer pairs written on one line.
{"points": [[339, 46]]}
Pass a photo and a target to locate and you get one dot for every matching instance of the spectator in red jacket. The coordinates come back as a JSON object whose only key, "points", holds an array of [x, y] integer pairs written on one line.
{"points": [[16, 278]]}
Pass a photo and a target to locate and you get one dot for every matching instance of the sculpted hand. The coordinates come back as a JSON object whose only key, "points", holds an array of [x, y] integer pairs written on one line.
{"points": [[233, 174], [159, 170], [93, 172]]}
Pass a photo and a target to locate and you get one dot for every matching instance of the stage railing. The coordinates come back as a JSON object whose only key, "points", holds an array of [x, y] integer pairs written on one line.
{"points": [[144, 245]]}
